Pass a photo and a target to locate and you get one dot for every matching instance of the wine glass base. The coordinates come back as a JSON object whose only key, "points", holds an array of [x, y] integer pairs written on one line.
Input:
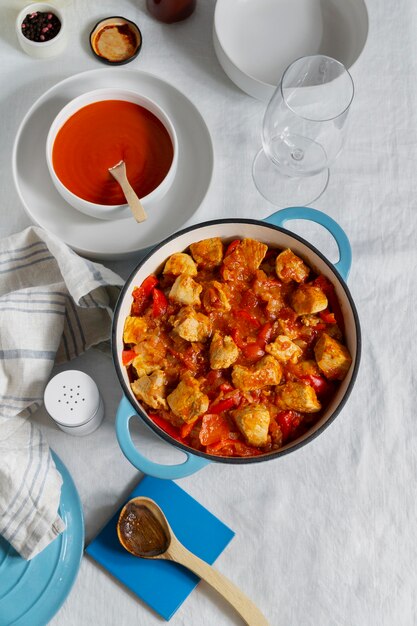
{"points": [[285, 191]]}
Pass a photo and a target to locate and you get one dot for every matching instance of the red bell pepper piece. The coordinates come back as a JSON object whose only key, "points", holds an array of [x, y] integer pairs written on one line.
{"points": [[287, 314], [264, 334], [214, 428], [142, 293], [253, 351], [327, 317], [166, 426], [224, 405], [231, 447], [288, 422], [321, 386], [186, 429], [248, 317], [232, 247], [321, 326], [188, 357], [146, 287], [159, 303], [128, 356], [213, 378], [237, 338], [330, 293], [213, 383]]}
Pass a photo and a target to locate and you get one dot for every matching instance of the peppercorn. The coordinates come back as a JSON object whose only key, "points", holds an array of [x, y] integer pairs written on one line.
{"points": [[40, 26]]}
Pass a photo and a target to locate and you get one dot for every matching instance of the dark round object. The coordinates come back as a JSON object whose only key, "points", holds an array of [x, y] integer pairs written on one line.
{"points": [[116, 40], [169, 11]]}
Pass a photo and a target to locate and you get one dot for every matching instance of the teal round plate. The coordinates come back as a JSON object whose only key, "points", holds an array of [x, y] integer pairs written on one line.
{"points": [[31, 592]]}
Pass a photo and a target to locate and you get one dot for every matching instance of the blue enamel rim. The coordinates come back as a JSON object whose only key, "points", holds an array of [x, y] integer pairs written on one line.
{"points": [[70, 545], [291, 213]]}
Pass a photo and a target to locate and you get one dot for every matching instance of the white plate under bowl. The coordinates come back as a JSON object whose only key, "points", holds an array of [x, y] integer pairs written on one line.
{"points": [[116, 239], [256, 40]]}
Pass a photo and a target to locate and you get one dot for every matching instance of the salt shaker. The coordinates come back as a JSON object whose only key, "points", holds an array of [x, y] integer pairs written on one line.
{"points": [[73, 401], [171, 10]]}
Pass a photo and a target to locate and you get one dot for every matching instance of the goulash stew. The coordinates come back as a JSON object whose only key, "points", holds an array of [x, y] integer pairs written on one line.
{"points": [[235, 349]]}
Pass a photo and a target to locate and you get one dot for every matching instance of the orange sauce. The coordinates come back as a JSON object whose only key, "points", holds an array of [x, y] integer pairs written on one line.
{"points": [[100, 135]]}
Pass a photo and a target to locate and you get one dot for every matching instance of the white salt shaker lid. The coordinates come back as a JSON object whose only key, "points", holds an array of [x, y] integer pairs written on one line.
{"points": [[72, 399]]}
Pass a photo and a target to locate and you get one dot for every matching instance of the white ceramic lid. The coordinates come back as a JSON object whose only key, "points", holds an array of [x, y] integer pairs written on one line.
{"points": [[72, 398]]}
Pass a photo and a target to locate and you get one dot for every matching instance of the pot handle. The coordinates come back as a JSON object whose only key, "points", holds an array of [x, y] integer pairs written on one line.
{"points": [[125, 412], [306, 213]]}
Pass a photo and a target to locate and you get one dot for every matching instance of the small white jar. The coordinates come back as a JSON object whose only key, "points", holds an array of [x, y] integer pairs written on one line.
{"points": [[73, 401], [42, 49]]}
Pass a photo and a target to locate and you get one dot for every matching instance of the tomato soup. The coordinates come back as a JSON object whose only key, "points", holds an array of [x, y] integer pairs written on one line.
{"points": [[100, 135]]}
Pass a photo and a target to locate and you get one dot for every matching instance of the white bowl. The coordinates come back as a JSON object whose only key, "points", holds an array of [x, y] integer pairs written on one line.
{"points": [[107, 211], [256, 40], [42, 49]]}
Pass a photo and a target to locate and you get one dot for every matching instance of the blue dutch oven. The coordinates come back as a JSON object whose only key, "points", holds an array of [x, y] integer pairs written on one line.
{"points": [[272, 232]]}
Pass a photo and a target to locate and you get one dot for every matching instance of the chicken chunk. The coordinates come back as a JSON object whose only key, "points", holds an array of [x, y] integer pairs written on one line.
{"points": [[187, 401], [134, 329], [297, 397], [253, 423], [150, 356], [151, 389], [284, 349], [245, 259], [186, 291], [308, 299], [208, 253], [332, 357], [253, 252], [269, 290], [289, 266], [266, 372], [310, 321], [223, 351], [215, 297], [180, 263], [305, 368], [192, 326], [288, 324]]}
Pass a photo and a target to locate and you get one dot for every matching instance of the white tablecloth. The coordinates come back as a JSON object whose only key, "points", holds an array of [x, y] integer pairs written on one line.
{"points": [[325, 536]]}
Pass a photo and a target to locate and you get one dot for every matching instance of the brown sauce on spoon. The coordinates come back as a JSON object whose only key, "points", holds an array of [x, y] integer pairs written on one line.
{"points": [[140, 531]]}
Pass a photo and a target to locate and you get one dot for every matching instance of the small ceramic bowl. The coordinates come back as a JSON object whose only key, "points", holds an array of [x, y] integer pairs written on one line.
{"points": [[116, 40], [111, 211], [42, 49], [256, 41]]}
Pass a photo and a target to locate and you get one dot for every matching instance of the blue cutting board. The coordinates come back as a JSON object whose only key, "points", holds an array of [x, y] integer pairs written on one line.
{"points": [[163, 585]]}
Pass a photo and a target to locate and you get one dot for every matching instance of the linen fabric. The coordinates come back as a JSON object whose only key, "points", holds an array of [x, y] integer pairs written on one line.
{"points": [[54, 305]]}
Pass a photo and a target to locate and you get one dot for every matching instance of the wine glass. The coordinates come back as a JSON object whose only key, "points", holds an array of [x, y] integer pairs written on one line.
{"points": [[303, 131]]}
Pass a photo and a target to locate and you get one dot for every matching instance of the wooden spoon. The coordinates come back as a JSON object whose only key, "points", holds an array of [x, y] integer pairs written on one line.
{"points": [[118, 172], [143, 530]]}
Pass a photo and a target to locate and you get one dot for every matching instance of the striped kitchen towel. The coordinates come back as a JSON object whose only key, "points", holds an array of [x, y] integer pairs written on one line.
{"points": [[54, 305]]}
